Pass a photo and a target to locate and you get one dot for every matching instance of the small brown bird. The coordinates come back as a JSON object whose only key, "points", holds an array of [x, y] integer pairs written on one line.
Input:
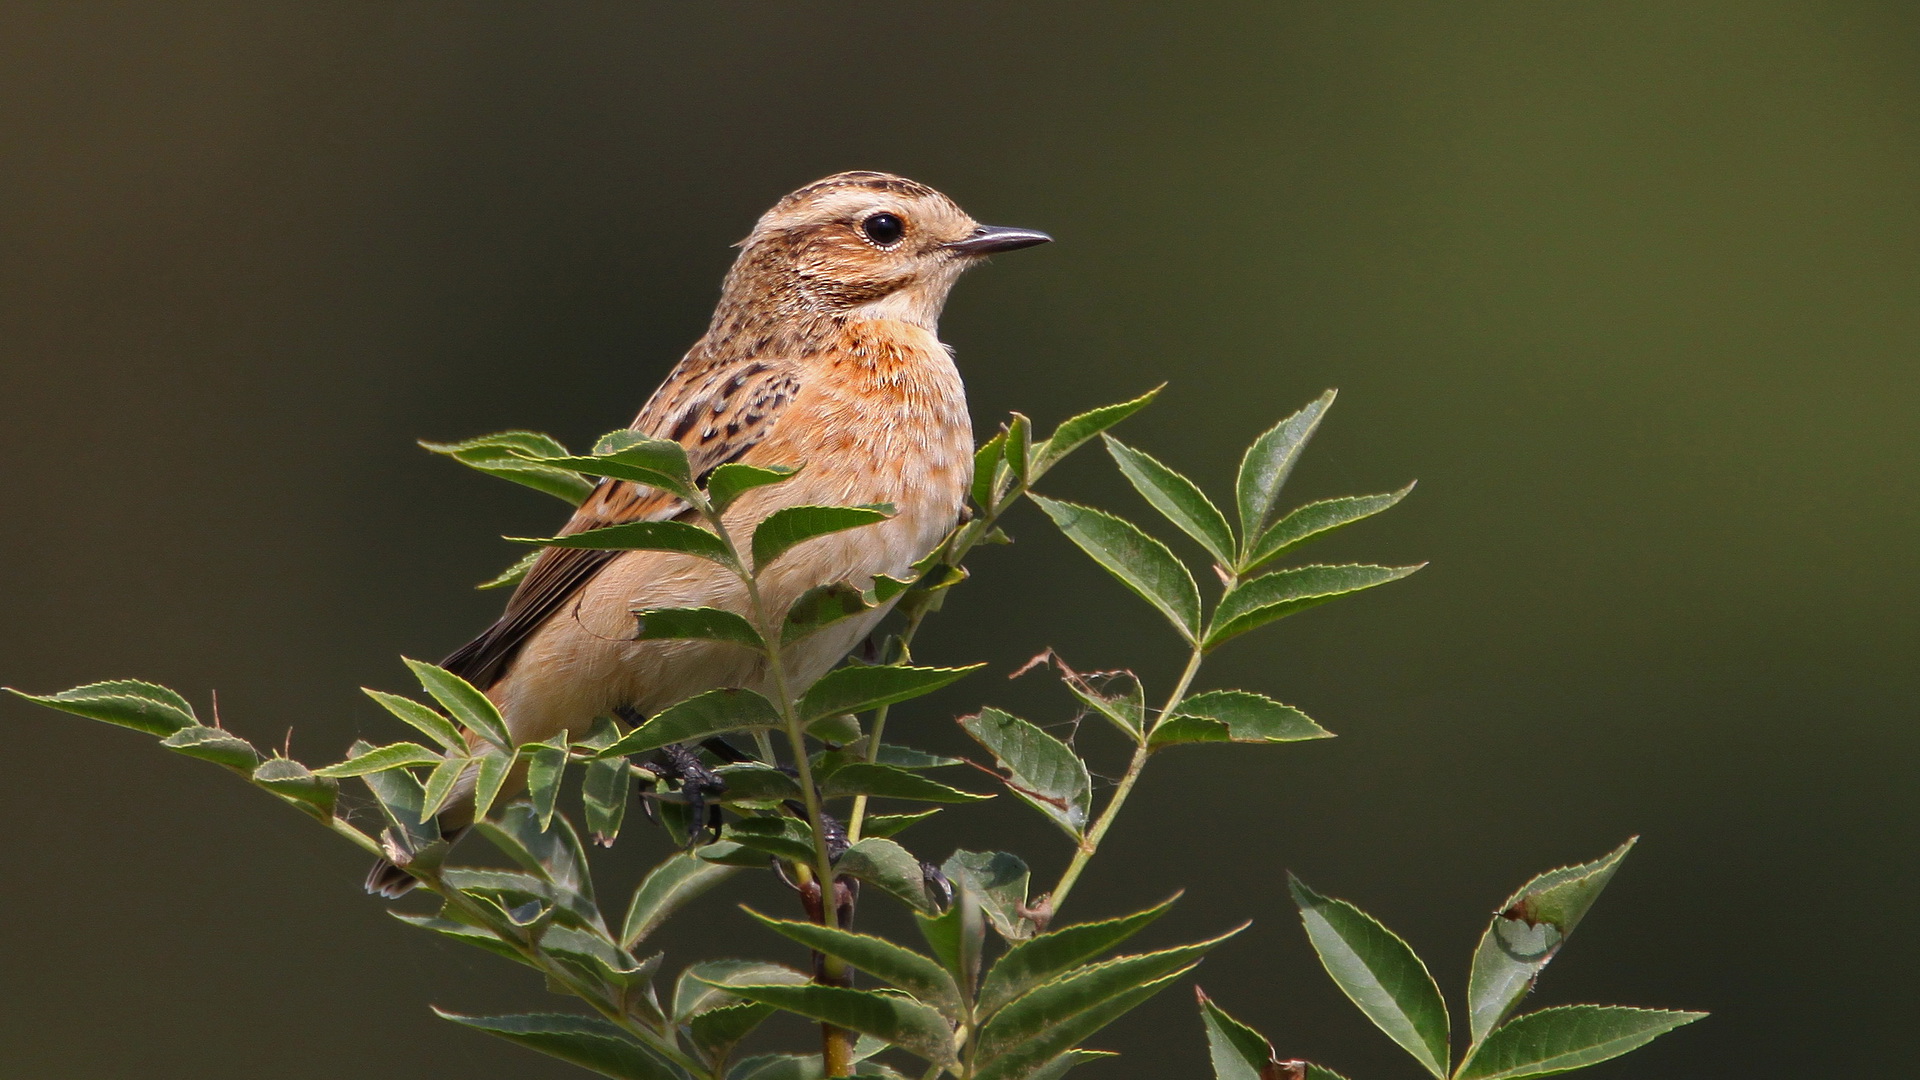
{"points": [[822, 353]]}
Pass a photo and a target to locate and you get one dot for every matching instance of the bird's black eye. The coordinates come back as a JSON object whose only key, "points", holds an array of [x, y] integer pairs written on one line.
{"points": [[883, 229]]}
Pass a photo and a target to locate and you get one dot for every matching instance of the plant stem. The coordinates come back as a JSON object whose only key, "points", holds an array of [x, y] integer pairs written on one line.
{"points": [[836, 1044], [958, 547], [859, 816], [1091, 845]]}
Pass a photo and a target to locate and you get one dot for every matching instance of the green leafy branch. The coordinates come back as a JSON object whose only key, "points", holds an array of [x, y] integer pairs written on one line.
{"points": [[1380, 973], [1047, 773], [543, 912], [1020, 1015]]}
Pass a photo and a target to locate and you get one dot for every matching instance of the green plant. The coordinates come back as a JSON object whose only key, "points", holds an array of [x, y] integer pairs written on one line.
{"points": [[1019, 1014], [1380, 973]]}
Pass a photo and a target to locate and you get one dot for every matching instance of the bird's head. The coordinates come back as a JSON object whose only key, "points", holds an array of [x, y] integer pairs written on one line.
{"points": [[863, 245]]}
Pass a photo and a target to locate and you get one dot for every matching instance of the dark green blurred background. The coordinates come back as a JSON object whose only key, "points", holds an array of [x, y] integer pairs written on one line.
{"points": [[1630, 288]]}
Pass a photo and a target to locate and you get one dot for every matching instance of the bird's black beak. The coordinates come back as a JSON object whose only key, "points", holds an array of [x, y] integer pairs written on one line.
{"points": [[988, 239]]}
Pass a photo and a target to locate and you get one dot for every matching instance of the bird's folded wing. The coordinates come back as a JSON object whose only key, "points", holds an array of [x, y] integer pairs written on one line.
{"points": [[719, 411]]}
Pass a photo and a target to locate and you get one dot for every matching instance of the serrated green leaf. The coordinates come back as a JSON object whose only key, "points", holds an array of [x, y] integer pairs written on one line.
{"points": [[1043, 771], [1019, 442], [728, 853], [1234, 716], [676, 536], [779, 836], [881, 826], [887, 782], [734, 479], [1140, 562], [1025, 1059], [511, 455], [661, 455], [218, 745], [554, 853], [678, 880], [1264, 469], [1379, 972], [702, 986], [1314, 520], [792, 525], [636, 449], [129, 703], [887, 865], [604, 732], [825, 605], [291, 780], [808, 1067], [440, 784], [422, 719], [586, 1041], [844, 753], [601, 961], [1527, 932], [998, 880], [1058, 1067], [604, 791], [1046, 956], [488, 780], [920, 976], [1566, 1038], [716, 1032], [918, 1029], [478, 936], [857, 689], [546, 769], [987, 462], [906, 757], [886, 588], [840, 730], [1237, 1051], [513, 575], [753, 781], [715, 712], [462, 701], [779, 1067], [1075, 432], [380, 759], [821, 607], [697, 624], [1177, 498], [956, 937], [515, 889], [403, 802], [629, 455], [1027, 1024], [528, 920], [1284, 592]]}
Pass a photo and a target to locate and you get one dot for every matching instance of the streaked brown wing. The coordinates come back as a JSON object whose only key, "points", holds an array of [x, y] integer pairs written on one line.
{"points": [[718, 411]]}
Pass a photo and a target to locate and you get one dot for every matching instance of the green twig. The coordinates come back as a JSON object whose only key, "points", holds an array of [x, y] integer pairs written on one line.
{"points": [[958, 545], [836, 1044], [1091, 844]]}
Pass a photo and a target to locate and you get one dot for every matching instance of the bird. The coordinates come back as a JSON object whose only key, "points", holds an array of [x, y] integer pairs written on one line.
{"points": [[823, 353]]}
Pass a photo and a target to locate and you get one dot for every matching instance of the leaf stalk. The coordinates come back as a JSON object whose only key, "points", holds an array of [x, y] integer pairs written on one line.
{"points": [[1091, 844]]}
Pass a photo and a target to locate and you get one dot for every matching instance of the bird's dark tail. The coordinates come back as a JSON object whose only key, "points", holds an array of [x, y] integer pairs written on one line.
{"points": [[388, 880], [393, 882]]}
